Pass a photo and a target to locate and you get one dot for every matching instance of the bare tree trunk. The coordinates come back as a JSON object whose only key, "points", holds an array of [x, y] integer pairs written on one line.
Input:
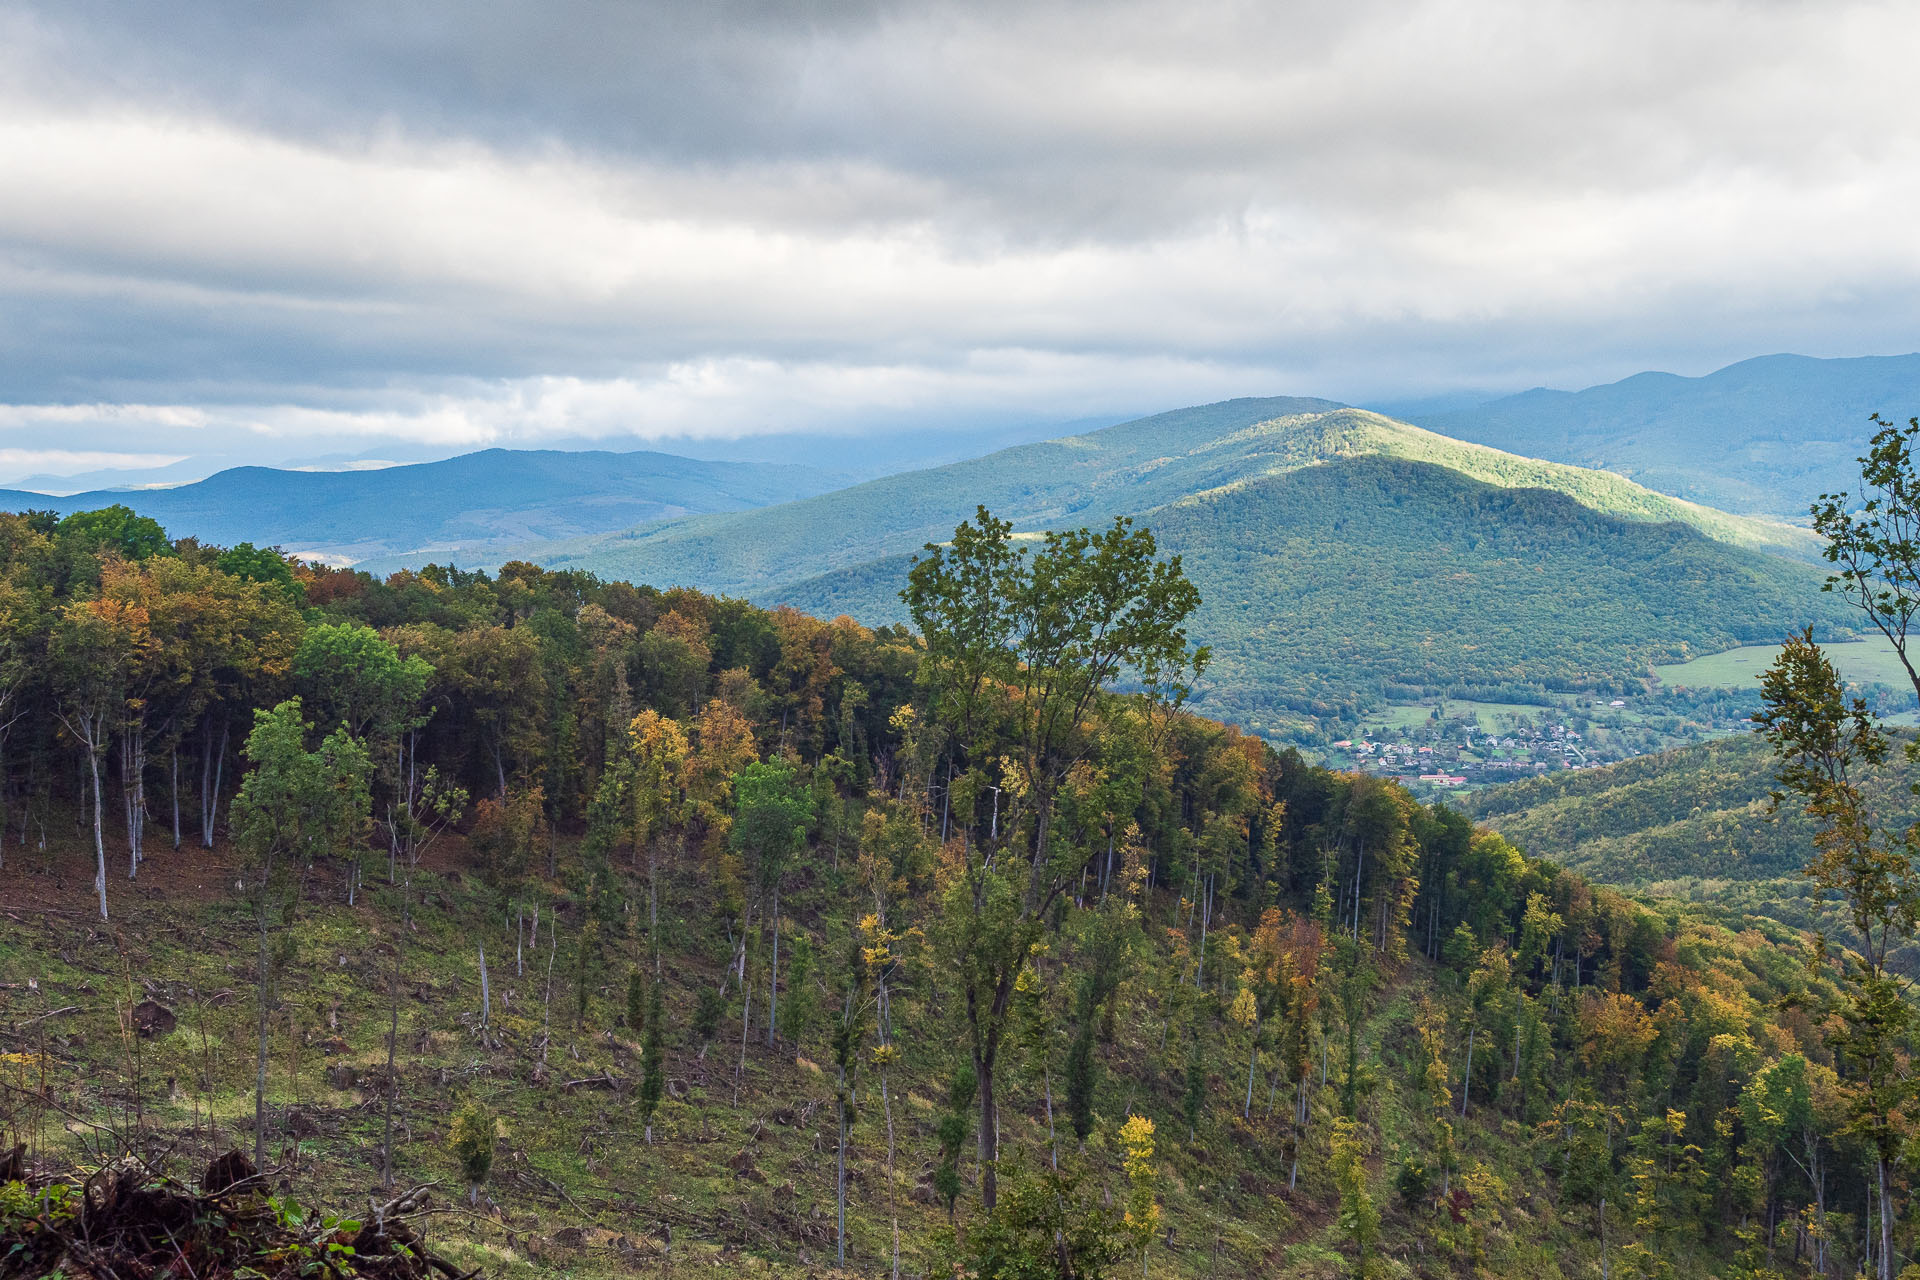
{"points": [[1886, 1219], [99, 818], [210, 806], [1466, 1081], [886, 1105], [1053, 1141], [546, 1005], [989, 1137], [173, 790], [265, 982], [746, 1010], [486, 993], [840, 1180]]}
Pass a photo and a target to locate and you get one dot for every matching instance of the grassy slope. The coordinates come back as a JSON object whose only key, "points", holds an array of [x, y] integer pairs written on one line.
{"points": [[577, 1189], [1321, 583]]}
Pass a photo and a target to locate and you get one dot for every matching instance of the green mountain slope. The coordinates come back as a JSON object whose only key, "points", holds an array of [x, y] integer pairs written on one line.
{"points": [[1332, 586], [1129, 469], [1763, 435]]}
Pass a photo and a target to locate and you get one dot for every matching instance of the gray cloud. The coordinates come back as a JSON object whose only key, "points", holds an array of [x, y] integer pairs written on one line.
{"points": [[324, 226]]}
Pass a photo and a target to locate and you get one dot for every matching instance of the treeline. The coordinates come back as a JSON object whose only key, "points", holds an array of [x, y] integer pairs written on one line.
{"points": [[1059, 911]]}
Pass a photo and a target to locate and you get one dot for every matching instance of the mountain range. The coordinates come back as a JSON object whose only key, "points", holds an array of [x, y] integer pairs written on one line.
{"points": [[1763, 436], [466, 509]]}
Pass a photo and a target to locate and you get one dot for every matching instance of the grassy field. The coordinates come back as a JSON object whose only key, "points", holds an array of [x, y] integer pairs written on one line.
{"points": [[1493, 717], [1863, 661]]}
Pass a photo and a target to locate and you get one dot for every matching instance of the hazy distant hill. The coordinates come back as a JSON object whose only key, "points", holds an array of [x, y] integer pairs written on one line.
{"points": [[1762, 436], [1343, 557], [464, 509]]}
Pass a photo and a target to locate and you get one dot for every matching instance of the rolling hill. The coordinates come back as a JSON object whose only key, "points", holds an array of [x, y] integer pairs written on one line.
{"points": [[1691, 823], [466, 508], [1343, 557], [1761, 436]]}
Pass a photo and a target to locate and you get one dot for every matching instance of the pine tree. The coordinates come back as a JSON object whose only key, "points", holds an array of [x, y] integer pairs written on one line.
{"points": [[653, 1071]]}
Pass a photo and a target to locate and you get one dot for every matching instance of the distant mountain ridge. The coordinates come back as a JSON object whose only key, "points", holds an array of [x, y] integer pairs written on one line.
{"points": [[466, 509], [1763, 436]]}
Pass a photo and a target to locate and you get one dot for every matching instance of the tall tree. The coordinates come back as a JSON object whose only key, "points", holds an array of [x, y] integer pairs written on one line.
{"points": [[1827, 747], [295, 804], [1042, 637], [771, 812]]}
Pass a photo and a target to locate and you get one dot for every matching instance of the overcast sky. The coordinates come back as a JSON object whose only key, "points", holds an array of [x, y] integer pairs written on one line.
{"points": [[273, 232]]}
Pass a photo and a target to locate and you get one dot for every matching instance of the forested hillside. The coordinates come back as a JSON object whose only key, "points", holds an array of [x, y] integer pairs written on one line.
{"points": [[668, 931], [1761, 436], [1694, 823], [464, 510], [1329, 588]]}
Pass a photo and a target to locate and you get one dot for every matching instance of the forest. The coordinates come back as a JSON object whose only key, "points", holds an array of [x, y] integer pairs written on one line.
{"points": [[656, 929]]}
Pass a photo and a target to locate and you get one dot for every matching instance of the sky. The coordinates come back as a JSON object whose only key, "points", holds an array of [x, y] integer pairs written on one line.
{"points": [[310, 234]]}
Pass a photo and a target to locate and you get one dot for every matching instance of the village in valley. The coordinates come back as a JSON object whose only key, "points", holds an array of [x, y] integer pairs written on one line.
{"points": [[1454, 745]]}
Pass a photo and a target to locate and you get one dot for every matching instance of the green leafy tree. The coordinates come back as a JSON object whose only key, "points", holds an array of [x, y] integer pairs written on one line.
{"points": [[470, 1138], [1040, 637], [261, 564], [770, 817], [117, 529], [1827, 747], [295, 804], [1359, 1217], [348, 674], [653, 1070]]}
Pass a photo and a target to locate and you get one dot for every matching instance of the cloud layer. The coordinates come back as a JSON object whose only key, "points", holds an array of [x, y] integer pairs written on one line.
{"points": [[277, 231]]}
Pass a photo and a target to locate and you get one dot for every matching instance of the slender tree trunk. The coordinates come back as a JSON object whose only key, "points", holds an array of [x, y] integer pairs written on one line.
{"points": [[393, 1080], [99, 819], [773, 974], [989, 1137], [1604, 1273], [840, 1181], [653, 910], [1359, 867], [893, 1211], [1053, 1140], [173, 790], [1206, 918], [1466, 1081], [212, 812], [1246, 1112], [1886, 1219], [746, 1009], [546, 1004], [486, 993], [265, 984]]}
